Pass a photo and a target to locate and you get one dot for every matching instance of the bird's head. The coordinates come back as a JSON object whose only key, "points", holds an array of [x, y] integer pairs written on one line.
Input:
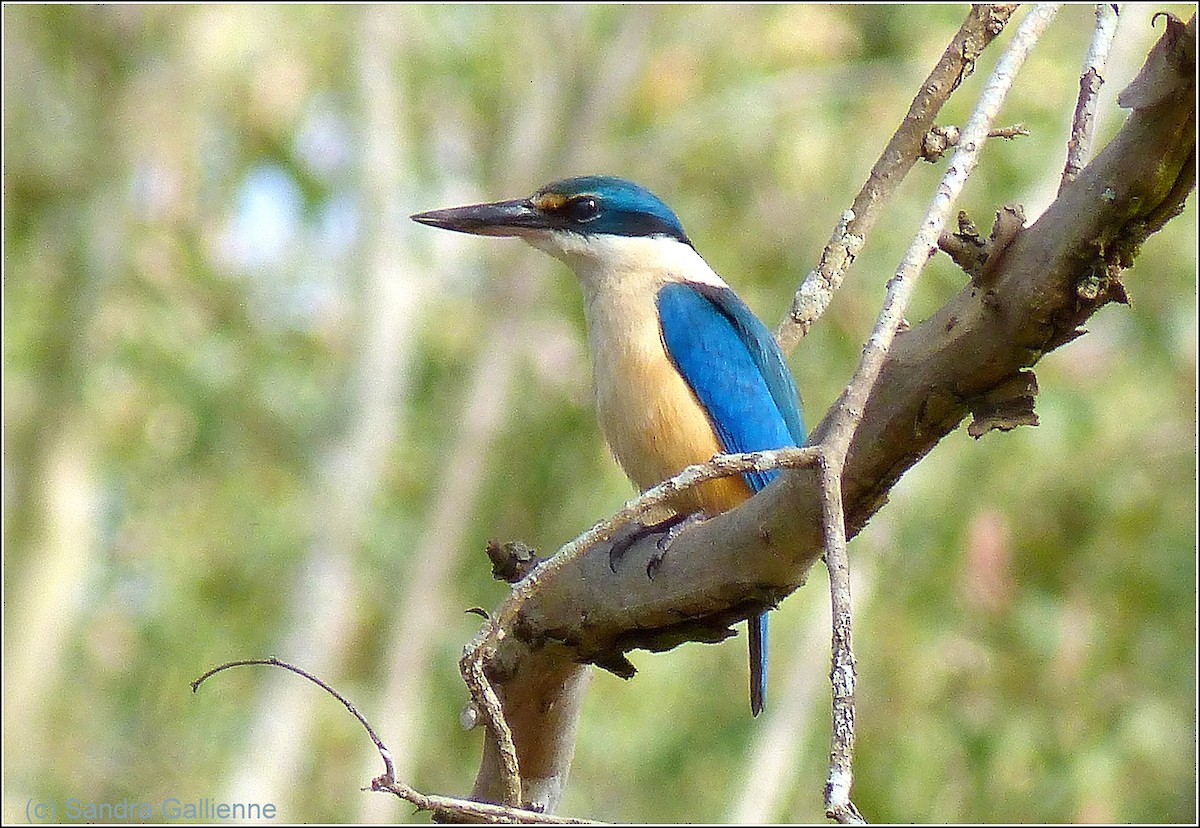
{"points": [[587, 221]]}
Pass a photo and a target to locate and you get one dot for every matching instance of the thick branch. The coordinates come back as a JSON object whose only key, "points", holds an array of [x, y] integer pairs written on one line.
{"points": [[1031, 298]]}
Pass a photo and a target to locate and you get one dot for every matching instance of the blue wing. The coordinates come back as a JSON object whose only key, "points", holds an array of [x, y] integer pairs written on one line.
{"points": [[731, 362]]}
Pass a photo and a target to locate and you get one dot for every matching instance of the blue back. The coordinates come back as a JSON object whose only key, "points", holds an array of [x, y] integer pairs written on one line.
{"points": [[734, 367]]}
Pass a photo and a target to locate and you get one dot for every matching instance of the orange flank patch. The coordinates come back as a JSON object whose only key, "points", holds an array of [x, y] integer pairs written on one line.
{"points": [[656, 427]]}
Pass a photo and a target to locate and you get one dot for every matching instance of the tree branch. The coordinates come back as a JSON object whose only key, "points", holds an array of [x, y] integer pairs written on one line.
{"points": [[984, 22]]}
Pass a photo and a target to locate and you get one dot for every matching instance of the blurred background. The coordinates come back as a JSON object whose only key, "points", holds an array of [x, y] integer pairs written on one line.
{"points": [[250, 409]]}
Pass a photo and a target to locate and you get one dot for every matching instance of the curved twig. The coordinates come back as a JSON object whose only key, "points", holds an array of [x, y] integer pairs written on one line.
{"points": [[389, 767], [442, 805]]}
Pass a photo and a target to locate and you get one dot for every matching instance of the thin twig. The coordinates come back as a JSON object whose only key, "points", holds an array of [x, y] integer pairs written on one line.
{"points": [[488, 703], [984, 22], [841, 674], [465, 809], [1091, 78]]}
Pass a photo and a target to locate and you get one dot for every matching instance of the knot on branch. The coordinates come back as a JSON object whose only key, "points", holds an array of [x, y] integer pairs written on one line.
{"points": [[972, 253], [939, 139], [511, 561], [1097, 283], [1101, 283], [1005, 406]]}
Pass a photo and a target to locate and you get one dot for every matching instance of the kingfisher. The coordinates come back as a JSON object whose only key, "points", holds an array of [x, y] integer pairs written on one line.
{"points": [[683, 369]]}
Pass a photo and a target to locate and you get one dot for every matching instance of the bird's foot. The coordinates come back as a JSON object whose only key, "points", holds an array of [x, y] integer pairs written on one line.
{"points": [[668, 537], [631, 533]]}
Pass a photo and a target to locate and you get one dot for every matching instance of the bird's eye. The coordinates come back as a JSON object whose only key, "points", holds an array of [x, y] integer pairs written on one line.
{"points": [[582, 209]]}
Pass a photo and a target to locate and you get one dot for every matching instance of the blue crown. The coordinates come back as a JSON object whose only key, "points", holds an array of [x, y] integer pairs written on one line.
{"points": [[596, 204]]}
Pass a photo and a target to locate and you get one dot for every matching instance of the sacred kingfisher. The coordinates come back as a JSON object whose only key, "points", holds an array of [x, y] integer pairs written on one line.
{"points": [[683, 369]]}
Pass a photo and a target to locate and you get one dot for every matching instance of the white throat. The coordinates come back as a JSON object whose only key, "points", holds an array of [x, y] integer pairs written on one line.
{"points": [[604, 262]]}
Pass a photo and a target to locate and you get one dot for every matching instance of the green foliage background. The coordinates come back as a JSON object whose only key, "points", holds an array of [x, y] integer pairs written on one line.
{"points": [[249, 409]]}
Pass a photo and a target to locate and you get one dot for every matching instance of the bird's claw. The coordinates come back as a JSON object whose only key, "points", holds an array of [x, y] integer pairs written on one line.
{"points": [[625, 538], [668, 537], [655, 562], [629, 535]]}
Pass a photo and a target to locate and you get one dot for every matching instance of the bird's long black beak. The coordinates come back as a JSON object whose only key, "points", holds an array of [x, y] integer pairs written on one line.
{"points": [[500, 218]]}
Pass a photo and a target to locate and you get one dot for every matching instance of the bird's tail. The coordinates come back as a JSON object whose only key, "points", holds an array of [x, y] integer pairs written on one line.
{"points": [[758, 663]]}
